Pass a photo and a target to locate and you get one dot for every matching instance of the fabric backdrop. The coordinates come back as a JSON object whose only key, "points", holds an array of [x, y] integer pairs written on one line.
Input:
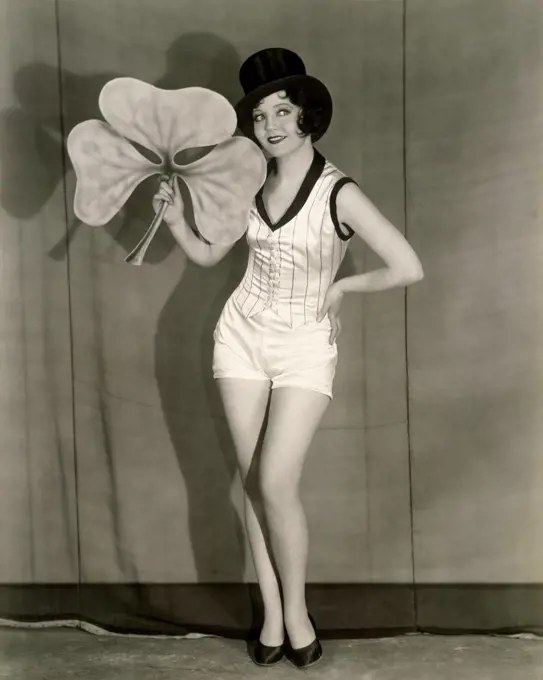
{"points": [[119, 500]]}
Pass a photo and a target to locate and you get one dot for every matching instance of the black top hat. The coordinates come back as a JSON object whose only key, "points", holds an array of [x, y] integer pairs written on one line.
{"points": [[271, 70]]}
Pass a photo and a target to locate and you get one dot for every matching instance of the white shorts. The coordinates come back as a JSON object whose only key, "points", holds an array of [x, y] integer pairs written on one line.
{"points": [[264, 347]]}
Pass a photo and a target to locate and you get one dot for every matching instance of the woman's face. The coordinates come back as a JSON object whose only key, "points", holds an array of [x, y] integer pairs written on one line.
{"points": [[276, 128]]}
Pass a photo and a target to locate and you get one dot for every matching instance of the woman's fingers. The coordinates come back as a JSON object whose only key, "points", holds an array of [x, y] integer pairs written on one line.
{"points": [[166, 188], [169, 195], [164, 194], [336, 330], [165, 184]]}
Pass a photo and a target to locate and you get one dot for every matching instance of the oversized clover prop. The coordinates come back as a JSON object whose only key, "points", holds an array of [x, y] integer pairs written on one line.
{"points": [[222, 184]]}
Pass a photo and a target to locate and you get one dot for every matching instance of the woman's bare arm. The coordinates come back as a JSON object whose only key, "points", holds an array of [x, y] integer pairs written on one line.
{"points": [[403, 267]]}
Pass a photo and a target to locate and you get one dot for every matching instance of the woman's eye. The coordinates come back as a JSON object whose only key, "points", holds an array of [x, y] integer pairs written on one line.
{"points": [[284, 112]]}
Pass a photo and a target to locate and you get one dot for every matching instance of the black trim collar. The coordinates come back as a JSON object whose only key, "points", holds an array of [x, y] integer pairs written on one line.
{"points": [[313, 174]]}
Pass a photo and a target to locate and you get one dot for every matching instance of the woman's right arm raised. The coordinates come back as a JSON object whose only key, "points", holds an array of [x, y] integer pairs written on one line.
{"points": [[200, 252]]}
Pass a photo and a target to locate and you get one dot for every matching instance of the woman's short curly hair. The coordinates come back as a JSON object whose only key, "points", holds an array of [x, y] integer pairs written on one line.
{"points": [[312, 119]]}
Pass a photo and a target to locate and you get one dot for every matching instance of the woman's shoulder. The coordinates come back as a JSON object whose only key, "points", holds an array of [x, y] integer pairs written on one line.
{"points": [[333, 180], [332, 174]]}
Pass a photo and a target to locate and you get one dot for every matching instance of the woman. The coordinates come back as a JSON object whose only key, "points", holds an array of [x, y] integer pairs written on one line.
{"points": [[275, 343]]}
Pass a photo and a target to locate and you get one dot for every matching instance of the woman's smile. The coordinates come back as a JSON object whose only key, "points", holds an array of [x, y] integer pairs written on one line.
{"points": [[276, 139]]}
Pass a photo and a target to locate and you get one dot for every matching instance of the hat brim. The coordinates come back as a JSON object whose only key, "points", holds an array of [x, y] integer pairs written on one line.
{"points": [[244, 108]]}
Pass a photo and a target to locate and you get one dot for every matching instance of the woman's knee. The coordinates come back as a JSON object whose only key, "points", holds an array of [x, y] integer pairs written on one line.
{"points": [[278, 492]]}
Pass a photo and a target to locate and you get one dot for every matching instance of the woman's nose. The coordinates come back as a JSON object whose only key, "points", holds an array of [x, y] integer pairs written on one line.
{"points": [[271, 122]]}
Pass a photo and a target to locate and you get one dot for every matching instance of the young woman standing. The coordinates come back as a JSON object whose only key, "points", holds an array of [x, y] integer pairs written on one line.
{"points": [[275, 342]]}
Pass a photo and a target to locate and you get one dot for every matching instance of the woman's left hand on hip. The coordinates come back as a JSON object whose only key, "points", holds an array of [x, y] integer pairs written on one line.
{"points": [[330, 306]]}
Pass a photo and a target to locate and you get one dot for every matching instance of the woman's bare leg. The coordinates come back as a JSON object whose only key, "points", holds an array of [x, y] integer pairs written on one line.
{"points": [[245, 404], [294, 417]]}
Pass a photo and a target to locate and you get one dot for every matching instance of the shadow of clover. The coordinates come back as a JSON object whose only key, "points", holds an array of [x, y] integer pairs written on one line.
{"points": [[31, 136], [31, 171]]}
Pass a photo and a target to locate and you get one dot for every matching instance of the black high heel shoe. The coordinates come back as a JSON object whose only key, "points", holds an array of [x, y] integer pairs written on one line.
{"points": [[266, 656], [305, 656]]}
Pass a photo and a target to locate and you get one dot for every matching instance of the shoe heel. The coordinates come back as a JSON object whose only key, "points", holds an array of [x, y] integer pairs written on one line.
{"points": [[308, 655]]}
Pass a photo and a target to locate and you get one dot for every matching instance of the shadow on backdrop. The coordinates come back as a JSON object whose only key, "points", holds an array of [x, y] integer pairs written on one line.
{"points": [[32, 139]]}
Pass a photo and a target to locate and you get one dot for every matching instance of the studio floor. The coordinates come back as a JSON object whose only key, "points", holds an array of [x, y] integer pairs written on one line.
{"points": [[56, 654]]}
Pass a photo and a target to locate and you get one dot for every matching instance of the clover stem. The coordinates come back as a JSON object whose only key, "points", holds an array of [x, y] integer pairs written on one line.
{"points": [[137, 255]]}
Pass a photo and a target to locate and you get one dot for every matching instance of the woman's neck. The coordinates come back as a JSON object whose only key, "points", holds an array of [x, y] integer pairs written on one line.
{"points": [[292, 167]]}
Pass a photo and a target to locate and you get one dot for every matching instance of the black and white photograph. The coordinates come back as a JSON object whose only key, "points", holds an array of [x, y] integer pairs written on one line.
{"points": [[271, 339]]}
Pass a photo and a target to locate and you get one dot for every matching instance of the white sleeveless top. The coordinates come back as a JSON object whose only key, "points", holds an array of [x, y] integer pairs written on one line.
{"points": [[293, 262]]}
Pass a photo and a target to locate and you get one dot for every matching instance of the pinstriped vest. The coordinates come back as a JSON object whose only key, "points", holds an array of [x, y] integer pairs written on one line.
{"points": [[293, 262]]}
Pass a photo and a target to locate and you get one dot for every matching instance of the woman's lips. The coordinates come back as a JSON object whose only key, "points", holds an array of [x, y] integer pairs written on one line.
{"points": [[276, 139]]}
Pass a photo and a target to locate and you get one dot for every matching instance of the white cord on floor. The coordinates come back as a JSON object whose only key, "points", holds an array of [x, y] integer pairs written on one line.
{"points": [[96, 630]]}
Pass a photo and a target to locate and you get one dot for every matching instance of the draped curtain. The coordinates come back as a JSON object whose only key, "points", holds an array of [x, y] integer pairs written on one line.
{"points": [[119, 499]]}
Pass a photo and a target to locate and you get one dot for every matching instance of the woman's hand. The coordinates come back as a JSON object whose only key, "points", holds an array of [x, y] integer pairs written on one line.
{"points": [[171, 194], [330, 306]]}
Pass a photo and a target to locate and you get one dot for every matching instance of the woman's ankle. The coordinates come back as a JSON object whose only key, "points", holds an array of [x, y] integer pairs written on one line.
{"points": [[296, 615], [272, 633]]}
